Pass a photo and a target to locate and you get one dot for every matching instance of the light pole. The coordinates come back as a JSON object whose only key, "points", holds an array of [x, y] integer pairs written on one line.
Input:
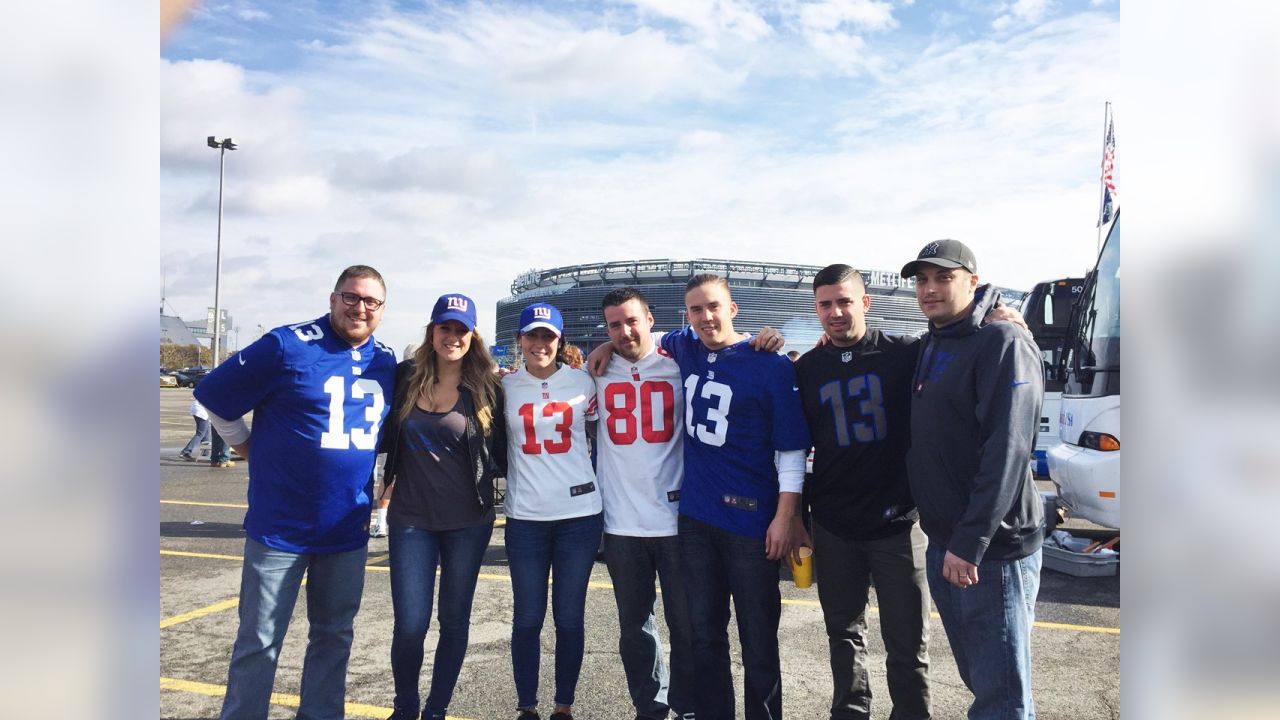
{"points": [[222, 147]]}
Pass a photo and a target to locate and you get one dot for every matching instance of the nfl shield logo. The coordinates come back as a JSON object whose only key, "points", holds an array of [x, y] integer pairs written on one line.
{"points": [[846, 356], [711, 357]]}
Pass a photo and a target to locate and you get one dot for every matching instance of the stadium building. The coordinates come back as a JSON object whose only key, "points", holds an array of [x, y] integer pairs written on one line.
{"points": [[780, 296]]}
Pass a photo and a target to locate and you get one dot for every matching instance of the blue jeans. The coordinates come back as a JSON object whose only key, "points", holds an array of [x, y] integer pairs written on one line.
{"points": [[202, 432], [634, 564], [269, 586], [989, 628], [535, 549], [414, 555], [218, 450], [718, 565]]}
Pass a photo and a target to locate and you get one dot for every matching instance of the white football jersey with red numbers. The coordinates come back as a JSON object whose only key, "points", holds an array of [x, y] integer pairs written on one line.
{"points": [[549, 474], [638, 459]]}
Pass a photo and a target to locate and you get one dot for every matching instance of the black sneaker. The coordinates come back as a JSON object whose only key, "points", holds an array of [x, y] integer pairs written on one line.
{"points": [[186, 456], [528, 715], [561, 716]]}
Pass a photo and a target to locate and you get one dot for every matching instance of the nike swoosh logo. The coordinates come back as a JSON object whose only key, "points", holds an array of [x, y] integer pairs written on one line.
{"points": [[240, 358], [1016, 383]]}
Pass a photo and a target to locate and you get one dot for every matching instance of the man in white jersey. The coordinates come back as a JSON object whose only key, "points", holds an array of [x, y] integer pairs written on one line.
{"points": [[640, 469], [639, 466]]}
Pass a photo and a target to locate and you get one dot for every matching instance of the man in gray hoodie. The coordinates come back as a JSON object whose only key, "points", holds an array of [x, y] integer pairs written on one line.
{"points": [[974, 407]]}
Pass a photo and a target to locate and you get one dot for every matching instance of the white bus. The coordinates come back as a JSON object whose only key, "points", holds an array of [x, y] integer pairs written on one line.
{"points": [[1086, 465], [1047, 311]]}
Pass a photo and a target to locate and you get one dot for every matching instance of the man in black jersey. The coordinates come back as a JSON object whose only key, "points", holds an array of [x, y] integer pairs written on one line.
{"points": [[856, 391]]}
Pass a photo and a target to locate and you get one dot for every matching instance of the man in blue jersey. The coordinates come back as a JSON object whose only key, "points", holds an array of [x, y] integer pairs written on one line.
{"points": [[736, 508], [319, 391]]}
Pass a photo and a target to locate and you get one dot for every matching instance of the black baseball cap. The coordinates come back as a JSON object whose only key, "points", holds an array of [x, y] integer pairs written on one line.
{"points": [[943, 253]]}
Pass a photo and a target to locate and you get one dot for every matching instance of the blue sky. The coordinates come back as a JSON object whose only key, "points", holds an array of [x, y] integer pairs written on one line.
{"points": [[456, 144]]}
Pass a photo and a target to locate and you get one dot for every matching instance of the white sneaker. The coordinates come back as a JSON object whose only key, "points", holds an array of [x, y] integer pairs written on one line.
{"points": [[378, 531]]}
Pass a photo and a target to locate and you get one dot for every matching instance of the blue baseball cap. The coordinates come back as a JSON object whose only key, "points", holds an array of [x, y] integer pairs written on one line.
{"points": [[455, 307], [541, 315]]}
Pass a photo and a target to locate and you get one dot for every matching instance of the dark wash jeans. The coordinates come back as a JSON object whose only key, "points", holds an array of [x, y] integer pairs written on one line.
{"points": [[989, 628], [896, 566], [537, 549], [414, 555], [719, 565], [634, 564]]}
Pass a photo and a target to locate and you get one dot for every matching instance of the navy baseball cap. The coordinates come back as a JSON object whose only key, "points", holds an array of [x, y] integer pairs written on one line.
{"points": [[455, 307], [943, 253], [541, 315]]}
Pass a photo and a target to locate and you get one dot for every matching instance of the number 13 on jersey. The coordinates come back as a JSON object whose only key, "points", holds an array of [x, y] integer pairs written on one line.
{"points": [[562, 432], [714, 429]]}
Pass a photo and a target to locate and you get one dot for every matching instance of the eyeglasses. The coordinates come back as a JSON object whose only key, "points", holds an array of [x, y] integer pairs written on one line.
{"points": [[350, 300]]}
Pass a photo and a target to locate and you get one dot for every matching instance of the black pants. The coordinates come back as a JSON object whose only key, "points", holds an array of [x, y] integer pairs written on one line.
{"points": [[896, 565]]}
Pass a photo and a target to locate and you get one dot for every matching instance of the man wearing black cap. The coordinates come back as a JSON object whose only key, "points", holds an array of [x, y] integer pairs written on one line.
{"points": [[975, 403]]}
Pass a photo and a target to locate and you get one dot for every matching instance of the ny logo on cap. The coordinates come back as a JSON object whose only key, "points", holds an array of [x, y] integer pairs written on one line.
{"points": [[457, 303], [542, 313], [929, 250]]}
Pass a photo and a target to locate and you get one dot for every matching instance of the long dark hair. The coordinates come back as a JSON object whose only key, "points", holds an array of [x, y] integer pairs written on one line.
{"points": [[478, 376]]}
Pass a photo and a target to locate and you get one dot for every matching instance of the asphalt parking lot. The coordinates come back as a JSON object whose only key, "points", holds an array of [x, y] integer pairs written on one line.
{"points": [[1075, 646]]}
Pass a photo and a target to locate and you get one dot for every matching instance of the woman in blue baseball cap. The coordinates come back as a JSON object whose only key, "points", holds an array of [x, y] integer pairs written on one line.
{"points": [[445, 440], [553, 508]]}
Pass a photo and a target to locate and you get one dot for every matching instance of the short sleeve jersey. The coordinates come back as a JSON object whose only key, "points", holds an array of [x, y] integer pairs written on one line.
{"points": [[741, 405], [549, 475], [857, 401], [639, 462], [318, 406]]}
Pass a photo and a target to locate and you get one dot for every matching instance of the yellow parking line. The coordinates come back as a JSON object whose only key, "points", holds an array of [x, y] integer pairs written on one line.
{"points": [[210, 556], [353, 709], [1081, 628], [203, 504], [194, 614], [609, 586]]}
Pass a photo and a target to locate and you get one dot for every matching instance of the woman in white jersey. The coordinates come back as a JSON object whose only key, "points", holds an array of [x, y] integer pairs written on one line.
{"points": [[445, 440], [553, 507]]}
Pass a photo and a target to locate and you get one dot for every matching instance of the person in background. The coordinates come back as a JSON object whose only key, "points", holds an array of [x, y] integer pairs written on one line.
{"points": [[201, 418], [219, 452]]}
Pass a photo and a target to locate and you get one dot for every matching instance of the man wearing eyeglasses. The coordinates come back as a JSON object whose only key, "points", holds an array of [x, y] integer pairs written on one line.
{"points": [[319, 391]]}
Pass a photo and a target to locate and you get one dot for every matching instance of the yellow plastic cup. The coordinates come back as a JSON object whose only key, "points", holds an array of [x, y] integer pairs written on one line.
{"points": [[801, 562]]}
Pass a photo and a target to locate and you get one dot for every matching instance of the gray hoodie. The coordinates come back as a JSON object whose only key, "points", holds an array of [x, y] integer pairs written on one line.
{"points": [[975, 405]]}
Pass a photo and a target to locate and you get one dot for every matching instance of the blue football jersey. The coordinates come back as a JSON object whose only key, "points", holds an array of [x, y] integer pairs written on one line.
{"points": [[318, 406], [740, 406]]}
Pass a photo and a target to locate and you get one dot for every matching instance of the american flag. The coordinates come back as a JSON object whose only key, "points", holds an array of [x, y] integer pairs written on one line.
{"points": [[1109, 199]]}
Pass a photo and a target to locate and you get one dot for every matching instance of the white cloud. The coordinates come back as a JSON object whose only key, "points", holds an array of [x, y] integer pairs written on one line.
{"points": [[711, 19], [457, 148], [835, 28], [534, 56], [1026, 11], [252, 14], [274, 167]]}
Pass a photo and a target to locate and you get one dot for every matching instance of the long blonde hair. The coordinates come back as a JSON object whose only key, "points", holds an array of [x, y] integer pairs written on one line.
{"points": [[478, 376]]}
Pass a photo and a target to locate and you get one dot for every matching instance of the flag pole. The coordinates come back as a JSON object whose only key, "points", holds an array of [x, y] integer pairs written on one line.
{"points": [[1102, 180]]}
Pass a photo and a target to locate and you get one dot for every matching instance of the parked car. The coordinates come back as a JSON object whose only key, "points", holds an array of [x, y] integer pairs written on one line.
{"points": [[190, 377], [167, 379]]}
